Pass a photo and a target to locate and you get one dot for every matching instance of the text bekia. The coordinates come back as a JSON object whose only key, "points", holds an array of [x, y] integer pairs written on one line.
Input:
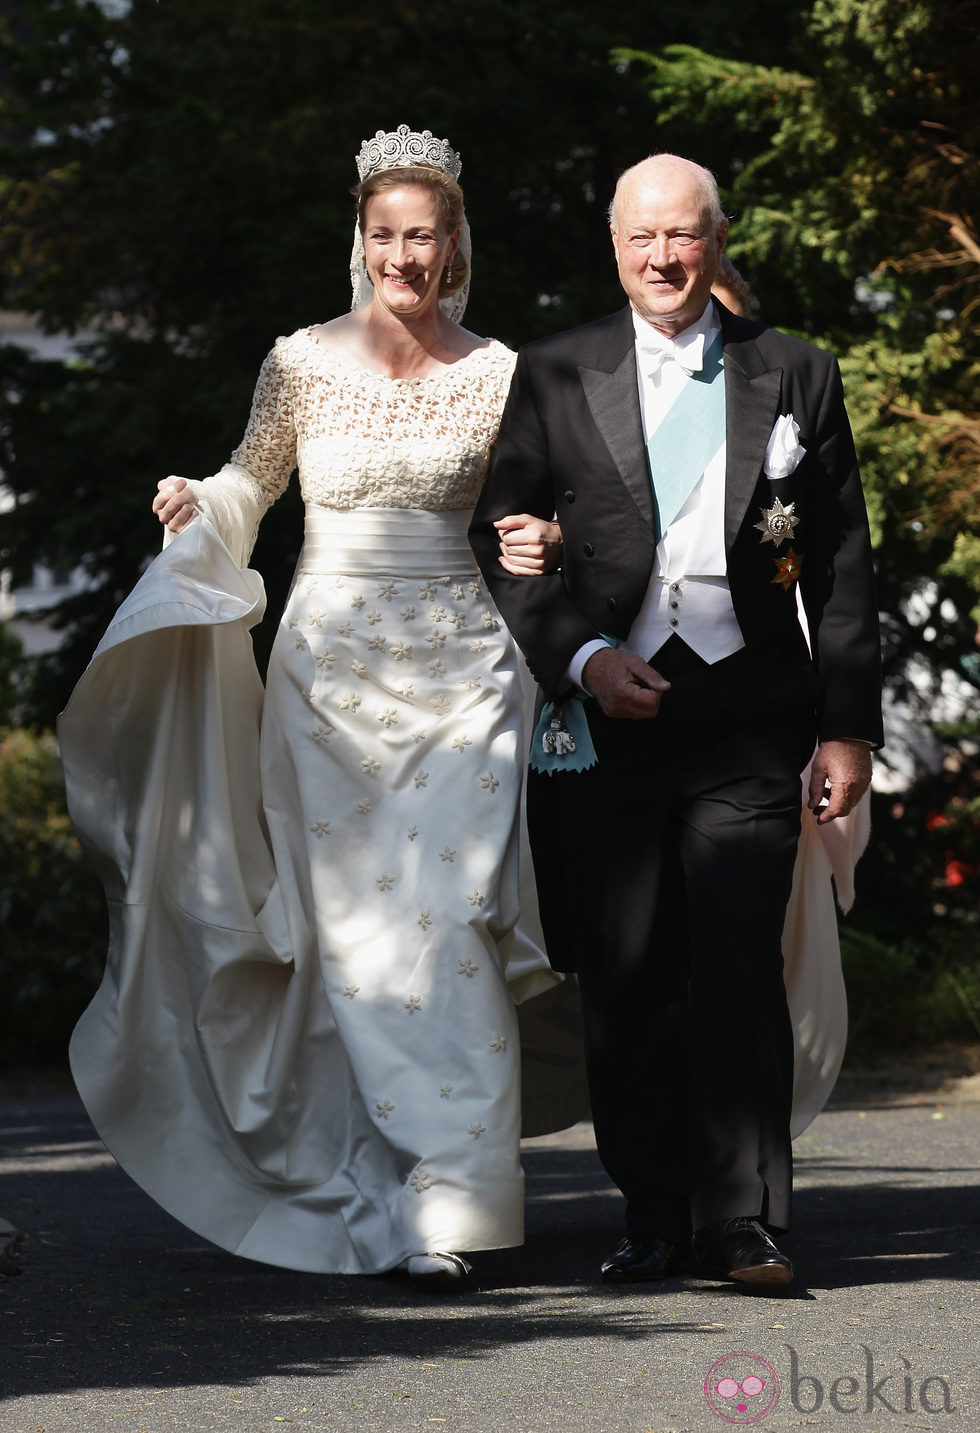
{"points": [[898, 1392]]}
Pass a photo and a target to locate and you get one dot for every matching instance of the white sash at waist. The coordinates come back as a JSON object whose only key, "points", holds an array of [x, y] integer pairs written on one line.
{"points": [[403, 542]]}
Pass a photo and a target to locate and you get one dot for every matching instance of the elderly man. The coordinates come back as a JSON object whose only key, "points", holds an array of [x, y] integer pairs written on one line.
{"points": [[701, 467]]}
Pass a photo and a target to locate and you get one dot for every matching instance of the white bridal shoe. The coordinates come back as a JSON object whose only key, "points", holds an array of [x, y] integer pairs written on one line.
{"points": [[436, 1271]]}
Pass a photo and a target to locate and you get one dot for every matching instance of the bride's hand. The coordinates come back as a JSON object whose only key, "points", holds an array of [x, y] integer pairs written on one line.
{"points": [[174, 503], [529, 546]]}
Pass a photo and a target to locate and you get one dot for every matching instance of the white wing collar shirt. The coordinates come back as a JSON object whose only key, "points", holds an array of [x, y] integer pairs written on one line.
{"points": [[688, 594]]}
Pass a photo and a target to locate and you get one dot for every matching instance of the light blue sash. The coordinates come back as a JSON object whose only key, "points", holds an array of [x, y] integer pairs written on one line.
{"points": [[688, 438]]}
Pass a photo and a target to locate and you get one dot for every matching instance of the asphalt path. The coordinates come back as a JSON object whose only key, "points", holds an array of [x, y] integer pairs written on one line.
{"points": [[114, 1317]]}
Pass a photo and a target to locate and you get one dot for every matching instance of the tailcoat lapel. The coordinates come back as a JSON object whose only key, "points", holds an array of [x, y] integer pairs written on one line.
{"points": [[611, 392], [752, 392]]}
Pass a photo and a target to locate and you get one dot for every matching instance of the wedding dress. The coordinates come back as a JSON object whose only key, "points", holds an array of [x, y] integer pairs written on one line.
{"points": [[305, 1046]]}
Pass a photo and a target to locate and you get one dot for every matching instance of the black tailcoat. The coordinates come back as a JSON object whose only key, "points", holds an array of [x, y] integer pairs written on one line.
{"points": [[665, 870]]}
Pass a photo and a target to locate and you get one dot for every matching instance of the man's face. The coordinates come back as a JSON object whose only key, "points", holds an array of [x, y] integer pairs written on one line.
{"points": [[666, 248]]}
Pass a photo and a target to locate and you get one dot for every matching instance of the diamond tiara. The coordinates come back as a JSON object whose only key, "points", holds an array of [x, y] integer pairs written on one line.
{"points": [[402, 147]]}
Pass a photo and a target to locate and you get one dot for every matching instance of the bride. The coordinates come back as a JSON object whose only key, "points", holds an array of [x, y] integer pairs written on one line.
{"points": [[305, 1045]]}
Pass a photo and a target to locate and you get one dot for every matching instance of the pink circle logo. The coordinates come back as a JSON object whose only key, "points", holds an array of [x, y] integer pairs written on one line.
{"points": [[741, 1388]]}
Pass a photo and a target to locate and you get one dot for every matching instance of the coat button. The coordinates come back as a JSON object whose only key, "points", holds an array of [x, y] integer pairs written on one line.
{"points": [[673, 621], [569, 496], [611, 603], [589, 550]]}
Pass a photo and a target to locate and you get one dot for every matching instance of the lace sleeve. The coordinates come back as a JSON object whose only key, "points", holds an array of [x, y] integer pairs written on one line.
{"points": [[237, 496]]}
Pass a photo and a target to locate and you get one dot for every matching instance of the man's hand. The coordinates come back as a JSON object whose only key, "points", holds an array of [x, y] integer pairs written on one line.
{"points": [[840, 775], [623, 684], [529, 546]]}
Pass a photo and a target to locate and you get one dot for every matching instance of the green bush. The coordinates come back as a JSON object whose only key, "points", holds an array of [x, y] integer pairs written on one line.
{"points": [[53, 927], [911, 994]]}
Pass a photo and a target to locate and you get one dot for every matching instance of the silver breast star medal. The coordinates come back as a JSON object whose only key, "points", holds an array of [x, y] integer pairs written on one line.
{"points": [[778, 523]]}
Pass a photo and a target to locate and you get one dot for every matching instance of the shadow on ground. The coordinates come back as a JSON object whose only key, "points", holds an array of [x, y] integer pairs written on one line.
{"points": [[111, 1292]]}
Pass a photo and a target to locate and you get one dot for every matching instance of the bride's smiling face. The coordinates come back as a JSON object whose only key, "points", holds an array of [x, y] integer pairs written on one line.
{"points": [[406, 249]]}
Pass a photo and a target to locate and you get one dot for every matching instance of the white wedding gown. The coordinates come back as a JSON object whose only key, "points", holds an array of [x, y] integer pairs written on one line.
{"points": [[305, 1046]]}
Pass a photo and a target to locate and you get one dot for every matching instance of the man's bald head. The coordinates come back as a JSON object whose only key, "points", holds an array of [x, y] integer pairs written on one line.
{"points": [[658, 167], [669, 234]]}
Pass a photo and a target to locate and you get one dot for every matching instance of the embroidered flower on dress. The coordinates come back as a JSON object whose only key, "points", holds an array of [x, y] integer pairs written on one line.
{"points": [[374, 617], [420, 1181], [470, 684], [320, 828], [351, 990], [490, 622], [413, 831], [478, 646], [447, 854], [315, 618], [424, 920], [401, 651], [435, 668], [357, 602], [413, 1004], [437, 614], [476, 1129], [387, 590], [441, 705], [378, 642], [358, 668], [489, 782], [384, 1109], [364, 808], [426, 592], [384, 882], [467, 968], [418, 736], [474, 588], [350, 702], [445, 1091], [300, 641], [324, 659], [370, 765], [498, 1044], [407, 614], [421, 777], [388, 717], [457, 620], [344, 628], [323, 733], [475, 898], [455, 592], [460, 743], [435, 639]]}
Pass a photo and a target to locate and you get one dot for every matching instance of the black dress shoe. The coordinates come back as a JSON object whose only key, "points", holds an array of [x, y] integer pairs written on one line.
{"points": [[639, 1259], [741, 1249]]}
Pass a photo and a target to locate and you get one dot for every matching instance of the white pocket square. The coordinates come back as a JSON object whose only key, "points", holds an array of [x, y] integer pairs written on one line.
{"points": [[783, 451]]}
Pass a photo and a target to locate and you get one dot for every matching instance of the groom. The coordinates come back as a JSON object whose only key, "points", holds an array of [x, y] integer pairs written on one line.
{"points": [[702, 469]]}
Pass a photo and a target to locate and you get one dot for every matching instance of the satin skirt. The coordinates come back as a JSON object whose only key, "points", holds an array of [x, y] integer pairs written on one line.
{"points": [[305, 1046]]}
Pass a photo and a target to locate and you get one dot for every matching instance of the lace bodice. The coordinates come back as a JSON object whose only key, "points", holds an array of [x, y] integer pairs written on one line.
{"points": [[360, 439]]}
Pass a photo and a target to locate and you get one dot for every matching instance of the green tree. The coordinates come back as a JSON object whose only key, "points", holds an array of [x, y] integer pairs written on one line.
{"points": [[855, 178], [177, 177]]}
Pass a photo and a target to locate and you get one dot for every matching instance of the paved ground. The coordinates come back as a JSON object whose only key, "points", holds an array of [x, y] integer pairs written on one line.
{"points": [[115, 1318]]}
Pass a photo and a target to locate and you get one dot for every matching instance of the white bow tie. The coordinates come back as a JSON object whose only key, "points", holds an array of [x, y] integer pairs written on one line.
{"points": [[652, 355]]}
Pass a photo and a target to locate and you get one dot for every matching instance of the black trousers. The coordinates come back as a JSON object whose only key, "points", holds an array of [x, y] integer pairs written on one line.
{"points": [[664, 873]]}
